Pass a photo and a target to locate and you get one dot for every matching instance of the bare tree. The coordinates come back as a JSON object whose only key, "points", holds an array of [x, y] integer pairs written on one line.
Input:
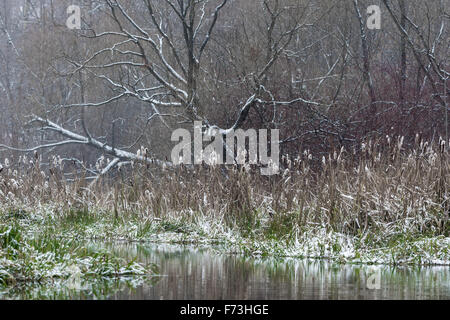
{"points": [[139, 69], [161, 59]]}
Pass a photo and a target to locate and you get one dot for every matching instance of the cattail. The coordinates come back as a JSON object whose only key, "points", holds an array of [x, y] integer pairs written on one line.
{"points": [[400, 142], [441, 145], [339, 158], [367, 170], [433, 158], [14, 184], [425, 146], [363, 146], [100, 162], [378, 157]]}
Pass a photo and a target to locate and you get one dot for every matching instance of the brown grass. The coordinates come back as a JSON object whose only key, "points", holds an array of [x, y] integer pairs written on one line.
{"points": [[381, 189]]}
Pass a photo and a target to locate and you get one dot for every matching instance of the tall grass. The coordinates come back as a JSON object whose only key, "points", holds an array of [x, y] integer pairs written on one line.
{"points": [[378, 191]]}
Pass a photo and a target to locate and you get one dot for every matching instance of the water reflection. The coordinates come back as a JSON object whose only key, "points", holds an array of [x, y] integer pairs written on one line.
{"points": [[203, 274], [189, 273]]}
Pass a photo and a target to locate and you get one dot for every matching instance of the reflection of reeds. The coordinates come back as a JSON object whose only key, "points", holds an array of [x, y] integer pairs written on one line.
{"points": [[378, 193], [189, 274], [29, 260]]}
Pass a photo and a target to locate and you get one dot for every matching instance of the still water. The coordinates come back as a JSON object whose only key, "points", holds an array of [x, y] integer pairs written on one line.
{"points": [[192, 273]]}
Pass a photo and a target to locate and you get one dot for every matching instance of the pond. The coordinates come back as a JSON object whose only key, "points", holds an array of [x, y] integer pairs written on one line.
{"points": [[194, 273]]}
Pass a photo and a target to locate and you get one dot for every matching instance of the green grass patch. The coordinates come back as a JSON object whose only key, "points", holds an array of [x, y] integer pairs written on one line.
{"points": [[42, 258]]}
